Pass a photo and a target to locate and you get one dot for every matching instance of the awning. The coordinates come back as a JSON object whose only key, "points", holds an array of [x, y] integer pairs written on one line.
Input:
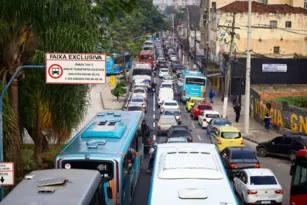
{"points": [[218, 75]]}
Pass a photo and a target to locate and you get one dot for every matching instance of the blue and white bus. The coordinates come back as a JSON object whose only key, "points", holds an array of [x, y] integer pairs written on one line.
{"points": [[115, 61], [189, 174], [194, 85], [110, 144]]}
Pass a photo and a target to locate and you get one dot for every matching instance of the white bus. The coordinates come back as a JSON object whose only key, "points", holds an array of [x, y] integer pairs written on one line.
{"points": [[189, 174], [60, 187]]}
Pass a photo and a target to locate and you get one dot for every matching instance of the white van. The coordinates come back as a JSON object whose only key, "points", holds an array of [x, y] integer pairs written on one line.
{"points": [[165, 94]]}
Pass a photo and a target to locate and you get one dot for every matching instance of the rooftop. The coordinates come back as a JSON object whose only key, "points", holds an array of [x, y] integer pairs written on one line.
{"points": [[242, 7]]}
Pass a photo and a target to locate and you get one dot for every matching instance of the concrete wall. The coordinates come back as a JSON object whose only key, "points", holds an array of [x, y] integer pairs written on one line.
{"points": [[292, 118], [264, 40], [294, 3]]}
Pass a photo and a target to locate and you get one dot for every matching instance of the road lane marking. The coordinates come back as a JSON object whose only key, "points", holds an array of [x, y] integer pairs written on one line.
{"points": [[193, 125], [154, 124], [154, 116], [154, 137], [154, 80], [199, 137], [153, 102]]}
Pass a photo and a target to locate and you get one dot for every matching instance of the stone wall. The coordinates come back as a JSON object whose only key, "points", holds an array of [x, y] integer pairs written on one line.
{"points": [[282, 115]]}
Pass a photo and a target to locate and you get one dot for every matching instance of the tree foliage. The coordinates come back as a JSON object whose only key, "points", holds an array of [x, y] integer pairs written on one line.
{"points": [[119, 90]]}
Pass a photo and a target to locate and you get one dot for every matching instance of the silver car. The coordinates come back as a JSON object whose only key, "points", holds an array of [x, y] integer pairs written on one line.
{"points": [[166, 122], [139, 100], [136, 107], [175, 113], [177, 140]]}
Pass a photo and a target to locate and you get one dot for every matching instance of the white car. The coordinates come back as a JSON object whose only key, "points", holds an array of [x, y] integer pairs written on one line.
{"points": [[206, 117], [167, 85], [165, 94], [258, 186], [169, 104], [139, 100], [173, 58], [168, 79], [139, 92], [163, 72], [161, 59]]}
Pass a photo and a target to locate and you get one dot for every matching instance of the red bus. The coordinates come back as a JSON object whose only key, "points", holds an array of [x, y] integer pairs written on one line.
{"points": [[298, 171], [146, 56]]}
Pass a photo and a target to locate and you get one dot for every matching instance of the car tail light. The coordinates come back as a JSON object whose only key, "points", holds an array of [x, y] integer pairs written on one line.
{"points": [[233, 166], [213, 127], [162, 107], [163, 81], [159, 128], [257, 165], [196, 109], [158, 99], [219, 141], [190, 139], [204, 120], [279, 192], [204, 94], [179, 118], [252, 192], [183, 93], [58, 163], [117, 183], [178, 108], [242, 141], [148, 141], [172, 81]]}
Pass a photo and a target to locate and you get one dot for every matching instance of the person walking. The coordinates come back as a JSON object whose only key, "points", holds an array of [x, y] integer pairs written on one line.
{"points": [[152, 153], [212, 95], [267, 122], [234, 100], [237, 110]]}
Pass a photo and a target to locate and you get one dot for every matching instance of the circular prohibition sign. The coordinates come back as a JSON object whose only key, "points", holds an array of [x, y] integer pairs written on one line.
{"points": [[55, 71]]}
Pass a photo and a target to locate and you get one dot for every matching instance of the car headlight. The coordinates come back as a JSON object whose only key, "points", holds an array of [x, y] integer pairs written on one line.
{"points": [[143, 105]]}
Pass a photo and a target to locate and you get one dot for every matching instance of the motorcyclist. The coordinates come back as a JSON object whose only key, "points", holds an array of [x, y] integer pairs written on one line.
{"points": [[153, 87]]}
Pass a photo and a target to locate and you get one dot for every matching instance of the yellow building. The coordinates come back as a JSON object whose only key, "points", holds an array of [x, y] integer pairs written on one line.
{"points": [[278, 30]]}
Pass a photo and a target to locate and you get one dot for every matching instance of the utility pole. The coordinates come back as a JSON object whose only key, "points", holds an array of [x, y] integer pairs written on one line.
{"points": [[228, 74], [208, 35], [248, 71]]}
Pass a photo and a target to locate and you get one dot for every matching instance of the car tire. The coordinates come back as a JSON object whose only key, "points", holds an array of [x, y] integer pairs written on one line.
{"points": [[262, 152], [292, 156]]}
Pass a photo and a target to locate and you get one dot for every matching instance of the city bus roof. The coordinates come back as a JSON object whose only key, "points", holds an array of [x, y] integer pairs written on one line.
{"points": [[108, 133], [189, 173], [192, 73], [50, 187], [146, 52]]}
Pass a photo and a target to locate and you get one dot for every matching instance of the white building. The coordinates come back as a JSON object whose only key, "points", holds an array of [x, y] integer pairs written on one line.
{"points": [[176, 3]]}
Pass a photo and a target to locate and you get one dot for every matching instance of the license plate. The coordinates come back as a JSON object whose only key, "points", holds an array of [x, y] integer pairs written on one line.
{"points": [[266, 202]]}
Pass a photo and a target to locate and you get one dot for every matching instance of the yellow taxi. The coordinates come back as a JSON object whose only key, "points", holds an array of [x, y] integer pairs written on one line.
{"points": [[226, 136], [191, 102]]}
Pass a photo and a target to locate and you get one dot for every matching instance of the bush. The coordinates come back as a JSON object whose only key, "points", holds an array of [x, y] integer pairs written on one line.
{"points": [[298, 101], [119, 90], [30, 163], [123, 83]]}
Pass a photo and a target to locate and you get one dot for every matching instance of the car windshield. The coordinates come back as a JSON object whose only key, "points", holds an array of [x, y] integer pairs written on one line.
{"points": [[164, 70], [167, 77], [231, 135], [134, 108], [146, 57], [137, 100], [195, 81], [263, 180], [141, 71], [170, 104], [175, 113], [221, 122], [166, 86], [139, 91], [180, 133], [204, 107], [212, 116]]}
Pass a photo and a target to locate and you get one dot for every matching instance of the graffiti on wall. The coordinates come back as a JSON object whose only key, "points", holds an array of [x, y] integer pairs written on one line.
{"points": [[293, 118]]}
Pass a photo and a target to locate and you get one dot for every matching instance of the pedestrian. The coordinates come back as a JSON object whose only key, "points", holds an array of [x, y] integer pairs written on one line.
{"points": [[267, 122], [152, 153], [212, 95], [153, 87], [234, 100], [237, 110]]}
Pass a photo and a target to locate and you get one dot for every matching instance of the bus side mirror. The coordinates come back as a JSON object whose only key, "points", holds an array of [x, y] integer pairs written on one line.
{"points": [[292, 170], [109, 192]]}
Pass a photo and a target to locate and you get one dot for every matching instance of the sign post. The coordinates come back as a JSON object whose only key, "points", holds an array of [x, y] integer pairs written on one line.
{"points": [[112, 80], [75, 68], [7, 174]]}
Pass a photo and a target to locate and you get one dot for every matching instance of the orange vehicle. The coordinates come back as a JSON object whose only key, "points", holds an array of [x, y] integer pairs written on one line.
{"points": [[146, 56]]}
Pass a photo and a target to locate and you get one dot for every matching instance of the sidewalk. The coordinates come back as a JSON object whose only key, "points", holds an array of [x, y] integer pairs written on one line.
{"points": [[109, 102], [257, 132]]}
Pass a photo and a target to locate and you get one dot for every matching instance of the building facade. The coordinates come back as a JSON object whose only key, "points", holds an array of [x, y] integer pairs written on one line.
{"points": [[177, 3]]}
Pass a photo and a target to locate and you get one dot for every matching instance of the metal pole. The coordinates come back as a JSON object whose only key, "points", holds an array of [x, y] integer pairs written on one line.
{"points": [[248, 71], [194, 45], [1, 111], [228, 74]]}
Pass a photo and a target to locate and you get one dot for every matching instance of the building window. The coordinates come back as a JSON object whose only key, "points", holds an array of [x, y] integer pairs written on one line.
{"points": [[273, 24], [288, 24], [276, 50]]}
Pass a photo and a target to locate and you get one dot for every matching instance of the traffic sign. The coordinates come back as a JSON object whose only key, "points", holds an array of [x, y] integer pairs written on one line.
{"points": [[75, 68], [7, 174], [112, 80]]}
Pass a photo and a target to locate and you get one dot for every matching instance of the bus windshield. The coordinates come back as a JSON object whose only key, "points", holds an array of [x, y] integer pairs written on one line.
{"points": [[299, 181], [146, 57], [140, 71], [195, 81]]}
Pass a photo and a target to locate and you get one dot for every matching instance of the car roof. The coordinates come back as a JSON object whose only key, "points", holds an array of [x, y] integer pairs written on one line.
{"points": [[133, 104], [180, 127], [166, 89], [204, 103], [167, 116], [211, 112], [171, 110], [170, 101], [178, 139], [137, 97], [259, 172], [168, 76], [238, 149], [167, 83], [228, 128], [196, 98]]}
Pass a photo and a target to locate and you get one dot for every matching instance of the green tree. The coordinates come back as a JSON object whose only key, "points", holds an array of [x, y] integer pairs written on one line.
{"points": [[119, 90]]}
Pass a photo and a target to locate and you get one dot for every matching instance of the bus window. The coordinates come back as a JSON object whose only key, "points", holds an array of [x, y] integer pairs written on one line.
{"points": [[146, 57], [300, 177], [195, 81], [99, 196]]}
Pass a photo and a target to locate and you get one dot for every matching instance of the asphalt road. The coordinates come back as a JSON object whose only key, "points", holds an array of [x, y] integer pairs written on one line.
{"points": [[280, 167]]}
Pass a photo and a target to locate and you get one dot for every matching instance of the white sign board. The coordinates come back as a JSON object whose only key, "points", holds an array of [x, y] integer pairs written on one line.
{"points": [[274, 68], [7, 174], [75, 68]]}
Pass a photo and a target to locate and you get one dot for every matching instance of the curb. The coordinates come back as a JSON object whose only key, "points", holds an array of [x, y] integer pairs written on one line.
{"points": [[254, 141]]}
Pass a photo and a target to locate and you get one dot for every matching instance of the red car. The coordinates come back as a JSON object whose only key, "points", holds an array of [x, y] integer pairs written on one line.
{"points": [[199, 108]]}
